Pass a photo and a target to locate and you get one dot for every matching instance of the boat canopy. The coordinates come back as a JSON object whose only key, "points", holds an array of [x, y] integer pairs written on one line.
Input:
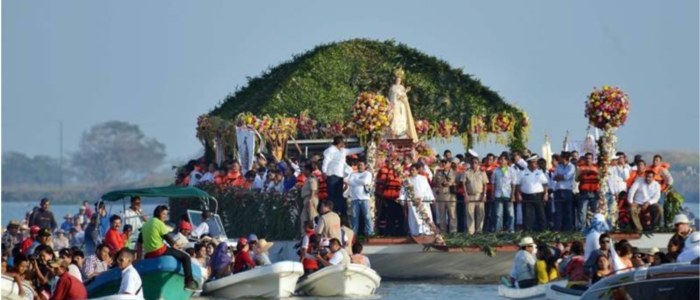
{"points": [[163, 191]]}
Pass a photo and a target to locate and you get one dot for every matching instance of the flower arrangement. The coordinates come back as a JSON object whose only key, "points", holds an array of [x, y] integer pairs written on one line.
{"points": [[425, 152], [370, 115], [307, 126], [477, 125], [446, 129], [607, 107], [424, 129], [332, 129], [502, 122], [280, 129]]}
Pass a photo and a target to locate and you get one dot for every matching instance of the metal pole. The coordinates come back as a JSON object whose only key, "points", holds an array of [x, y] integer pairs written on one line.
{"points": [[60, 157]]}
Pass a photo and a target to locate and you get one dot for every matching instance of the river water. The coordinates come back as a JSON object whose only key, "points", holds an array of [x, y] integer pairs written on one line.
{"points": [[430, 290]]}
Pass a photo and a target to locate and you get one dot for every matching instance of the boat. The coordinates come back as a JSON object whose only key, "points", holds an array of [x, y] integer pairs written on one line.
{"points": [[277, 280], [10, 289], [340, 280], [537, 291], [667, 281], [119, 297], [162, 278], [557, 292]]}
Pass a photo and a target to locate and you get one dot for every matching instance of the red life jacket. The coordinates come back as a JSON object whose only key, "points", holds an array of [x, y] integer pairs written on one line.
{"points": [[391, 185], [309, 264], [589, 179]]}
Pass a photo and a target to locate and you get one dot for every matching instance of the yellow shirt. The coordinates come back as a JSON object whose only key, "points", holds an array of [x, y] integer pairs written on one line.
{"points": [[152, 234], [541, 272]]}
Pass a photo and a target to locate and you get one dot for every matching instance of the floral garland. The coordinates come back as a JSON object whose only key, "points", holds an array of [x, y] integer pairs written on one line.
{"points": [[423, 213], [370, 115], [306, 126], [502, 122], [424, 129], [478, 127], [446, 129]]}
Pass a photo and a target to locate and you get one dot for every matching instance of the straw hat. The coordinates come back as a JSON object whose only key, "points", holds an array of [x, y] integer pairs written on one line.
{"points": [[526, 241], [264, 245], [680, 219]]}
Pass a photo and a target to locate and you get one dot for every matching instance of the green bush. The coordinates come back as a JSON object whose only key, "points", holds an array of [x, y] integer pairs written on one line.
{"points": [[327, 80], [270, 216]]}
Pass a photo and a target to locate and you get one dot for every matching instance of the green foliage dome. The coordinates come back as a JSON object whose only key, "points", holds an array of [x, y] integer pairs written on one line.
{"points": [[326, 81]]}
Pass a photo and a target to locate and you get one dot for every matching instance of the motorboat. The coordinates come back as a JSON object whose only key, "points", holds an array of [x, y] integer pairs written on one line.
{"points": [[277, 280], [536, 291], [162, 278], [10, 289], [340, 280], [118, 297], [667, 281], [557, 292]]}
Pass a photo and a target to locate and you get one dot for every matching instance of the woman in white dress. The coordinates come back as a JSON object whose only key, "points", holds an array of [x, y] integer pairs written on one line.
{"points": [[420, 218]]}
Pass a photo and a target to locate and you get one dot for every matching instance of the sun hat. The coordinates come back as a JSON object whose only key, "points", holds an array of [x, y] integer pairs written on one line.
{"points": [[526, 241], [264, 245], [185, 225], [44, 232], [653, 251], [680, 219], [252, 237], [34, 229], [23, 227]]}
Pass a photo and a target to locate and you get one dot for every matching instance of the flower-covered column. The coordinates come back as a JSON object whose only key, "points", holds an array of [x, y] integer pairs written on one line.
{"points": [[371, 117], [606, 109]]}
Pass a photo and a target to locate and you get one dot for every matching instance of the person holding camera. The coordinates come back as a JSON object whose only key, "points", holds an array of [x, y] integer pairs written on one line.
{"points": [[338, 255], [446, 195]]}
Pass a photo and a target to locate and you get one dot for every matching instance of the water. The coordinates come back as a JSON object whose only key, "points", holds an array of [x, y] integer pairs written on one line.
{"points": [[420, 290], [16, 210]]}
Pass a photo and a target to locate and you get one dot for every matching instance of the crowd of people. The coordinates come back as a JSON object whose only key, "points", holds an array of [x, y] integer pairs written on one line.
{"points": [[583, 265], [464, 193], [36, 252]]}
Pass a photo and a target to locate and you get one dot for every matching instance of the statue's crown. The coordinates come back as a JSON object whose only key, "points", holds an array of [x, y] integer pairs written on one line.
{"points": [[399, 73]]}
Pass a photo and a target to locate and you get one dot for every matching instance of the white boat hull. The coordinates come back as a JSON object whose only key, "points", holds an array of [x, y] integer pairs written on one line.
{"points": [[553, 294], [10, 289], [537, 291], [273, 281], [341, 280]]}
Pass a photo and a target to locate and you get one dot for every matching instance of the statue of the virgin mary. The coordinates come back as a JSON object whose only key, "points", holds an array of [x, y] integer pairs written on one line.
{"points": [[402, 125]]}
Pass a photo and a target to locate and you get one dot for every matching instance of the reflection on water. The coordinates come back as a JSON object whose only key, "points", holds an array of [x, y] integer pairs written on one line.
{"points": [[418, 290]]}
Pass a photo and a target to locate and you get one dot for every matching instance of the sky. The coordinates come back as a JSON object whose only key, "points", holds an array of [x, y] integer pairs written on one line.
{"points": [[160, 64]]}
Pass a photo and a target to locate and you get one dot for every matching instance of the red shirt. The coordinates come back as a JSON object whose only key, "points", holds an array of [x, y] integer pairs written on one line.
{"points": [[114, 240], [68, 287], [243, 260], [26, 244]]}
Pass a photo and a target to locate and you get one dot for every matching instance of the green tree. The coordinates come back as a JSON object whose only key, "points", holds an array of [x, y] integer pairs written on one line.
{"points": [[20, 169], [116, 152]]}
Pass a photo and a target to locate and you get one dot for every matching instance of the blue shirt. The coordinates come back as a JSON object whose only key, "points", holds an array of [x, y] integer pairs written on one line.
{"points": [[568, 171]]}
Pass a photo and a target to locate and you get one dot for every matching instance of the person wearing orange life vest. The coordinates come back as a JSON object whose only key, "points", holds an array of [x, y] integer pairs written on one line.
{"points": [[308, 246], [638, 174], [588, 189], [662, 175], [488, 165]]}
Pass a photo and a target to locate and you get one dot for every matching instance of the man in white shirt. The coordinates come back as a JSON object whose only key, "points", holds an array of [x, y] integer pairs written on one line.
{"points": [[643, 197], [358, 183], [334, 167], [619, 172], [196, 175], [131, 281], [208, 177], [564, 176], [532, 191], [134, 215], [338, 255]]}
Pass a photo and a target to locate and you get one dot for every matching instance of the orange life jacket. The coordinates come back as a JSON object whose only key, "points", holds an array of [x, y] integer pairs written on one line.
{"points": [[387, 184], [322, 185], [657, 174], [301, 179], [589, 179], [309, 264]]}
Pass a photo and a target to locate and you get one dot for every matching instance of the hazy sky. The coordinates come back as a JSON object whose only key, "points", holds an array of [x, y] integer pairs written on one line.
{"points": [[160, 64]]}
